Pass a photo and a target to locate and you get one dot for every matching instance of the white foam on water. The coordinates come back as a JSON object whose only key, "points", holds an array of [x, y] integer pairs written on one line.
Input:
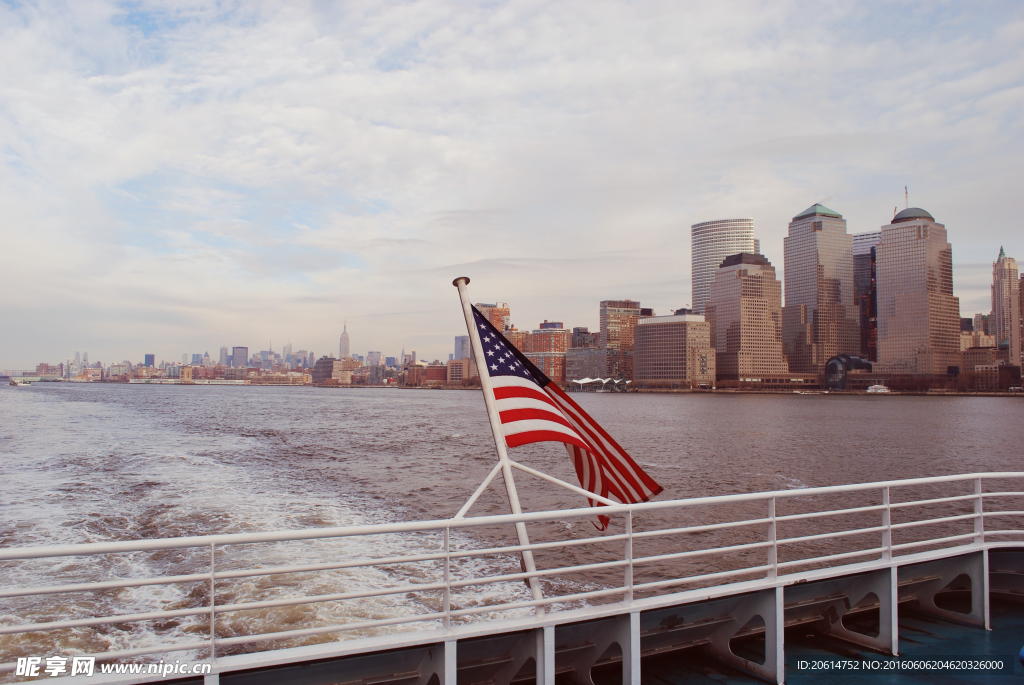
{"points": [[119, 473]]}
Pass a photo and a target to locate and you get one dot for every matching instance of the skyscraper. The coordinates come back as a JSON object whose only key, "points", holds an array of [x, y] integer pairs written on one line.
{"points": [[918, 316], [343, 350], [150, 360], [821, 318], [744, 310], [224, 357], [618, 323], [239, 357], [1005, 317], [712, 242], [373, 358], [461, 347], [865, 285]]}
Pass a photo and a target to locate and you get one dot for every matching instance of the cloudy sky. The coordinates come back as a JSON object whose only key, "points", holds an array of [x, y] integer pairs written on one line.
{"points": [[176, 177]]}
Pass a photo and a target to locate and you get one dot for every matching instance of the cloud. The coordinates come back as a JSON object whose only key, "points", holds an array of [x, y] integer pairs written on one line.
{"points": [[180, 176]]}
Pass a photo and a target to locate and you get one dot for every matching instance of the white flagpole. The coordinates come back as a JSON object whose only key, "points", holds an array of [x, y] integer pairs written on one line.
{"points": [[499, 437]]}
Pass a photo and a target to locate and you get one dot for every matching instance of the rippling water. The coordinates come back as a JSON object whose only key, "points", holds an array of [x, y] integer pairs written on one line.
{"points": [[87, 463]]}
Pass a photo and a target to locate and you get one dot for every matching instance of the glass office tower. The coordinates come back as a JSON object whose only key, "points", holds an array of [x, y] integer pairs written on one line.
{"points": [[918, 316], [1005, 317], [712, 242], [821, 318]]}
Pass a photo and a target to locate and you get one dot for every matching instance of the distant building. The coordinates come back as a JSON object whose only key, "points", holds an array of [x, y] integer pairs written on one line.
{"points": [[744, 310], [550, 324], [1006, 306], [821, 318], [323, 369], [674, 348], [552, 364], [373, 358], [966, 325], [197, 360], [546, 348], [549, 340], [150, 360], [865, 285], [224, 357], [582, 337], [712, 242], [586, 362], [50, 370], [918, 316], [978, 356], [239, 357], [435, 374], [981, 323], [462, 347], [519, 339], [391, 362], [347, 364], [975, 339], [460, 370], [343, 348], [498, 314], [618, 321]]}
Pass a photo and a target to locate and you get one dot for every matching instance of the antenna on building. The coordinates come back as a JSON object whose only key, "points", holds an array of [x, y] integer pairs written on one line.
{"points": [[894, 212], [906, 198]]}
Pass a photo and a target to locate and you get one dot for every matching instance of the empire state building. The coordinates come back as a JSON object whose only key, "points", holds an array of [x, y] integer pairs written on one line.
{"points": [[343, 351]]}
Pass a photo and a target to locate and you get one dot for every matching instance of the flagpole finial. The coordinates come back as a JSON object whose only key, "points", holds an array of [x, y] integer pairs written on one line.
{"points": [[461, 278]]}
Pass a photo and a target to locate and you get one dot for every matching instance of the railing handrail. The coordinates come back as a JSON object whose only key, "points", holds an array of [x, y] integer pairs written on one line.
{"points": [[88, 548]]}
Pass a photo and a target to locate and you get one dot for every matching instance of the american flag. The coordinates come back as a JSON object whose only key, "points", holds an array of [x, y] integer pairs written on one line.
{"points": [[533, 409]]}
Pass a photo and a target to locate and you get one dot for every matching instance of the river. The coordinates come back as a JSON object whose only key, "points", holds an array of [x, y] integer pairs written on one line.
{"points": [[87, 463]]}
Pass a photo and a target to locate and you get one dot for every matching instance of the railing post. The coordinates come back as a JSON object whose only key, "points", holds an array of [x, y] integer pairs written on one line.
{"points": [[887, 522], [773, 551], [979, 514], [629, 557], [447, 579], [213, 603]]}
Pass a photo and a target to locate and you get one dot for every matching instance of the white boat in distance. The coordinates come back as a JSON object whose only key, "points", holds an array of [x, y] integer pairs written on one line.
{"points": [[878, 389]]}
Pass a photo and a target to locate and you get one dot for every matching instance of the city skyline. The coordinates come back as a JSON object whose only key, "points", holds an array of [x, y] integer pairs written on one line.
{"points": [[178, 179], [440, 355]]}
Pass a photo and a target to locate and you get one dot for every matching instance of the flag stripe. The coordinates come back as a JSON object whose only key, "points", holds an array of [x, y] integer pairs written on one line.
{"points": [[529, 403], [514, 391], [512, 416], [540, 435]]}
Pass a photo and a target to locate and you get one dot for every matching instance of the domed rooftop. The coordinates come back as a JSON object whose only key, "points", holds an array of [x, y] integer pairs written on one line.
{"points": [[911, 214]]}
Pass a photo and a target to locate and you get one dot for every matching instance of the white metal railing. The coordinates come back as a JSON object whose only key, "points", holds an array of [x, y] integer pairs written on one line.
{"points": [[744, 546]]}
